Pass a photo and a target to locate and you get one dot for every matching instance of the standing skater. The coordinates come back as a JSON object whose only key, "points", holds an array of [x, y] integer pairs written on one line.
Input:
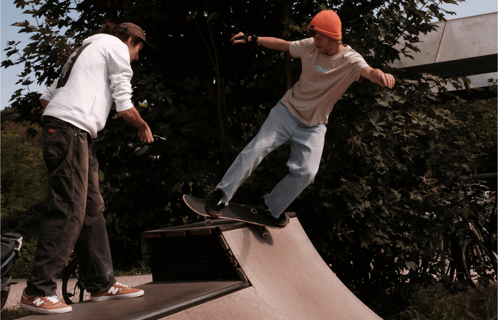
{"points": [[76, 107], [328, 68]]}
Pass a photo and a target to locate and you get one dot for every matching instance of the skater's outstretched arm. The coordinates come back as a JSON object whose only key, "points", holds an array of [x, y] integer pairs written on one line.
{"points": [[268, 42], [379, 77]]}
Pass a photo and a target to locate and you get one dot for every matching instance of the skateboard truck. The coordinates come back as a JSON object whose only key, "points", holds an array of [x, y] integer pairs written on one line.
{"points": [[264, 232], [207, 221]]}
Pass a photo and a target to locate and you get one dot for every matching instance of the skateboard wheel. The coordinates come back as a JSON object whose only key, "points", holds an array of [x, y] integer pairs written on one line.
{"points": [[264, 233], [253, 210]]}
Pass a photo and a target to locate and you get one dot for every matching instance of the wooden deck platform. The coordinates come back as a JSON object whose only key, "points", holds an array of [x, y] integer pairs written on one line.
{"points": [[160, 299]]}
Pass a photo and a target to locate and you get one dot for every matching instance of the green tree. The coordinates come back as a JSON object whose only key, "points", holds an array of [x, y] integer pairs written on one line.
{"points": [[23, 169], [24, 189]]}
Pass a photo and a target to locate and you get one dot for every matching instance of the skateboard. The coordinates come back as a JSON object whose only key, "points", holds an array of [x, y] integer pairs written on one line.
{"points": [[235, 212]]}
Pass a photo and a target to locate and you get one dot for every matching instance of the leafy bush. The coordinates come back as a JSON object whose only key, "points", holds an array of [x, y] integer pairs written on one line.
{"points": [[437, 304], [24, 177], [23, 169], [24, 262]]}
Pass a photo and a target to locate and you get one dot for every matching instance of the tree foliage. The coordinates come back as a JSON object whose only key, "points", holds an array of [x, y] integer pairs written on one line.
{"points": [[23, 184], [23, 169], [390, 158]]}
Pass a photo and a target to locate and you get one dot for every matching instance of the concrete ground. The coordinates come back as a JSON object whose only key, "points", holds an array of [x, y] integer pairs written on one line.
{"points": [[16, 290]]}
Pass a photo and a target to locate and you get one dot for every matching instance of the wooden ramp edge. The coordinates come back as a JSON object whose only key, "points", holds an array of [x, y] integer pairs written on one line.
{"points": [[289, 280]]}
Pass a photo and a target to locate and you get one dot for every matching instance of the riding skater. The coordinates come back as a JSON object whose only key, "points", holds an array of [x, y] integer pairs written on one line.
{"points": [[76, 107], [328, 68]]}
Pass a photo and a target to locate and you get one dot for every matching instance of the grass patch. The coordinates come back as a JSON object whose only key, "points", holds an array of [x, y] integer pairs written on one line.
{"points": [[439, 304]]}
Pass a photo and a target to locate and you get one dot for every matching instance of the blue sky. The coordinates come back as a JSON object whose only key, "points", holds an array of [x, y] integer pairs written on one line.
{"points": [[10, 14]]}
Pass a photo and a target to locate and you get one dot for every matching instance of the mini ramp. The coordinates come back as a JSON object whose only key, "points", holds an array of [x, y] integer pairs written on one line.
{"points": [[289, 280], [229, 271]]}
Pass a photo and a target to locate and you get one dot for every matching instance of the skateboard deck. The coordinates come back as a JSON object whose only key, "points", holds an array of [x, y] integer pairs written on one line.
{"points": [[235, 212]]}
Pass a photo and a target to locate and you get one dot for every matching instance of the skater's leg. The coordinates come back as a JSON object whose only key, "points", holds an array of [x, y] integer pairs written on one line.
{"points": [[275, 131], [305, 157], [66, 156], [92, 246]]}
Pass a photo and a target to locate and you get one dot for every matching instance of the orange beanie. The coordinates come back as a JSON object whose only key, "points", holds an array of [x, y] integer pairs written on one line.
{"points": [[328, 23]]}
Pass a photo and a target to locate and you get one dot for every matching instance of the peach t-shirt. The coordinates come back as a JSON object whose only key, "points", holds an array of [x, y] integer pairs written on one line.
{"points": [[323, 81]]}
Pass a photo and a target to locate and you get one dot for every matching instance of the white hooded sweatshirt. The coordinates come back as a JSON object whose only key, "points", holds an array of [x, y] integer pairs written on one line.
{"points": [[95, 76]]}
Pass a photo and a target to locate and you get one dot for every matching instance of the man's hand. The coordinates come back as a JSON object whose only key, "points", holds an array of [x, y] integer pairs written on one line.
{"points": [[385, 80], [143, 131], [378, 77], [145, 136], [240, 38]]}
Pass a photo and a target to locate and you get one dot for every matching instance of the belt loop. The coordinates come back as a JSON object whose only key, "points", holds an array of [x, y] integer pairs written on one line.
{"points": [[89, 139]]}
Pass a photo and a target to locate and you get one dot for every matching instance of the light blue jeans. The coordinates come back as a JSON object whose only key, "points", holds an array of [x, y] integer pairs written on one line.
{"points": [[306, 149]]}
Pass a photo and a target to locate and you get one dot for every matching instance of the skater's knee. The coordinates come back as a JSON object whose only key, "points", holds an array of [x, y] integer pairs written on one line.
{"points": [[308, 175]]}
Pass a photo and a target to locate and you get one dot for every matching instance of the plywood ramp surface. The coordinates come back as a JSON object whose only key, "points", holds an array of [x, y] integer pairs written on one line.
{"points": [[289, 281], [241, 305]]}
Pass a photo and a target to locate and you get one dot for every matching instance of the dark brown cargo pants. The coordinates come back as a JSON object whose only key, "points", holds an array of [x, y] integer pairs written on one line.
{"points": [[75, 212]]}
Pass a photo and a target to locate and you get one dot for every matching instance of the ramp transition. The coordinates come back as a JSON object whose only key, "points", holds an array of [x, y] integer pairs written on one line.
{"points": [[288, 280]]}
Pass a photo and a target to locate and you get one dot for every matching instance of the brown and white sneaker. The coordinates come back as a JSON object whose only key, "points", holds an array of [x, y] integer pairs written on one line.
{"points": [[45, 305], [117, 291]]}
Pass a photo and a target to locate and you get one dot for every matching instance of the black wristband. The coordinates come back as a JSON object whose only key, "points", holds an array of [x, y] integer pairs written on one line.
{"points": [[245, 36], [254, 38]]}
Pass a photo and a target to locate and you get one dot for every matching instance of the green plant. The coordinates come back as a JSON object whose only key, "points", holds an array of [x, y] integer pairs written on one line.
{"points": [[23, 264], [23, 169], [438, 304]]}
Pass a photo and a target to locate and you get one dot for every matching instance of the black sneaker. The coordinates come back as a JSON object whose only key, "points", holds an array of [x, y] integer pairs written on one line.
{"points": [[281, 221], [212, 207]]}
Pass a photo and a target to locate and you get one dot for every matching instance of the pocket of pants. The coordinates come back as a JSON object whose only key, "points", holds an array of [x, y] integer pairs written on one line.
{"points": [[61, 187], [55, 145]]}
